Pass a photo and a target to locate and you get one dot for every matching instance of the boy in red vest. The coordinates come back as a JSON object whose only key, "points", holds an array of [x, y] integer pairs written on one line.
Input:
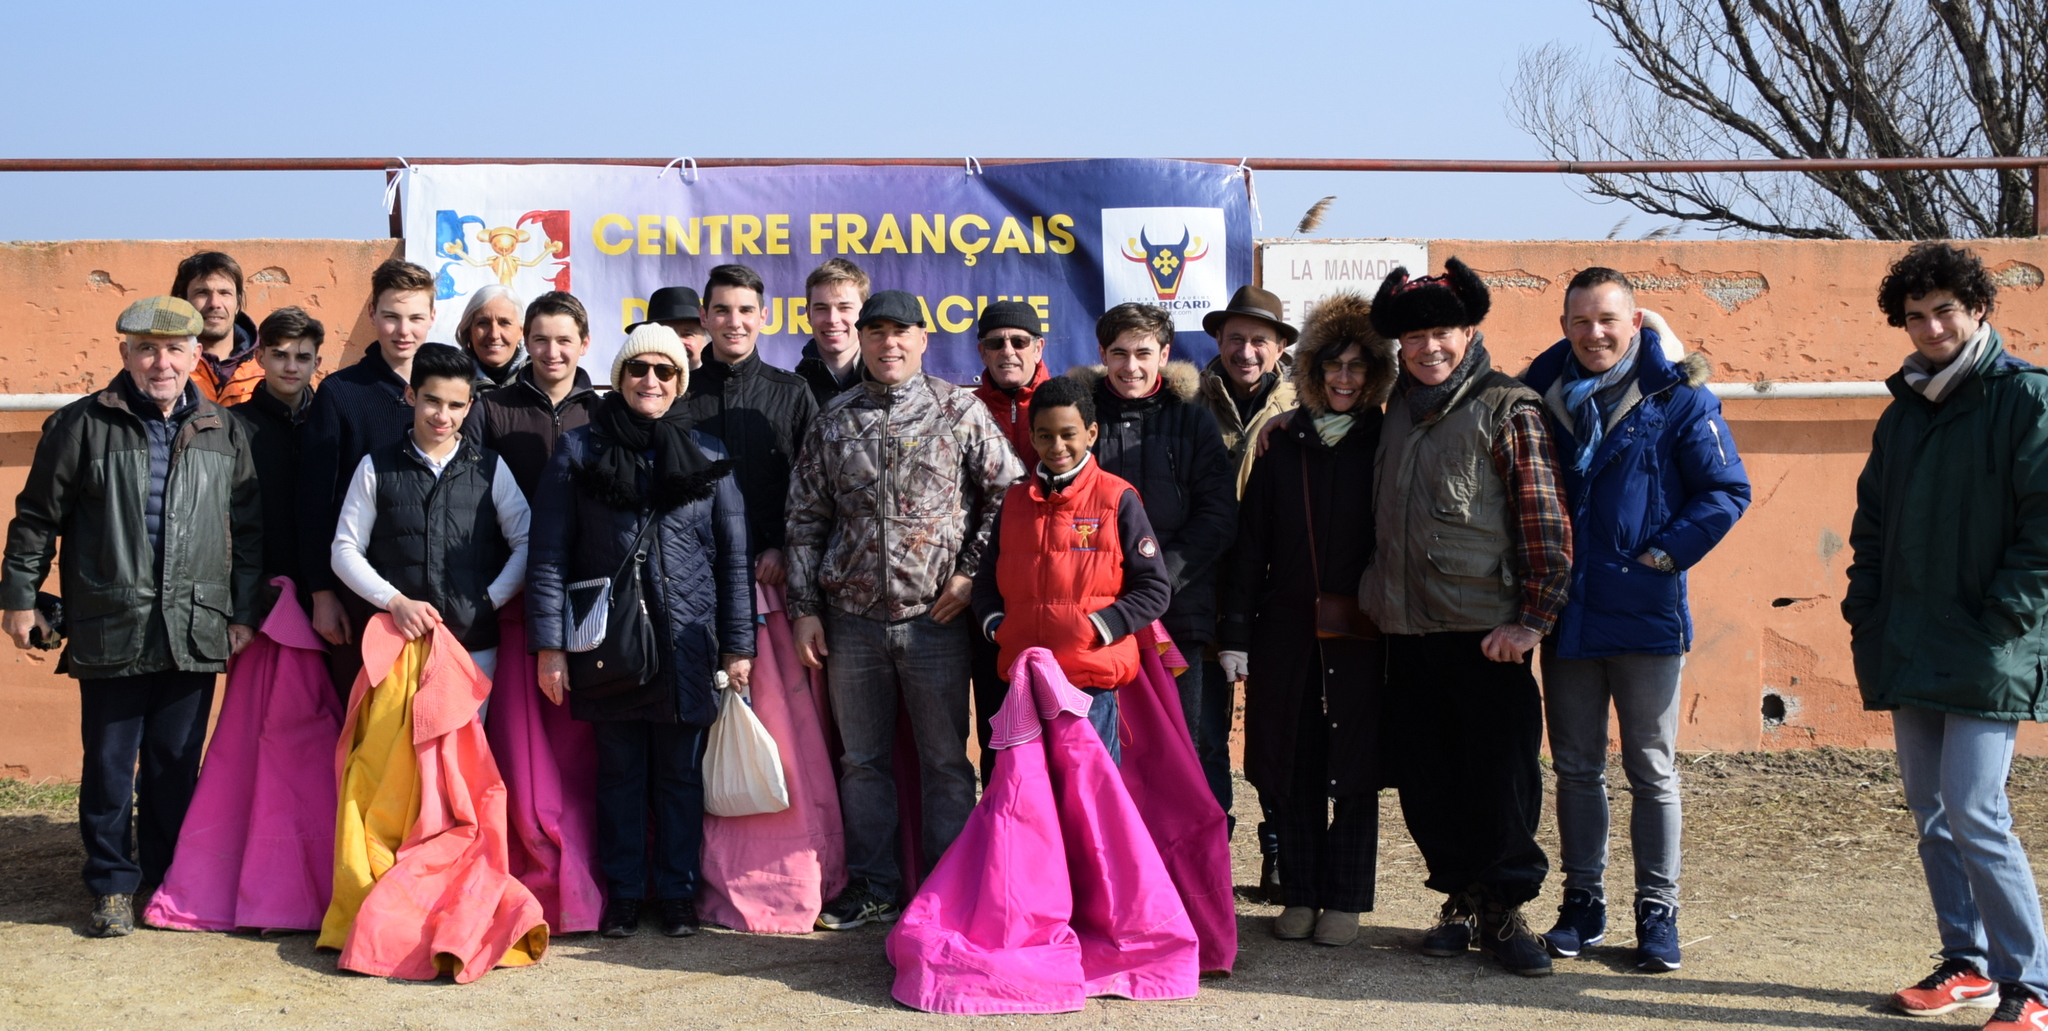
{"points": [[1073, 565]]}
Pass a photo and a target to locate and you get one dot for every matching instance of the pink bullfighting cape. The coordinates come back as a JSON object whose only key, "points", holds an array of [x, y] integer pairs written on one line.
{"points": [[1055, 891], [772, 872], [550, 765], [422, 881], [257, 849]]}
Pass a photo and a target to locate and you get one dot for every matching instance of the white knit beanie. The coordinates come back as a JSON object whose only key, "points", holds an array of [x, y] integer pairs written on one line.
{"points": [[653, 338]]}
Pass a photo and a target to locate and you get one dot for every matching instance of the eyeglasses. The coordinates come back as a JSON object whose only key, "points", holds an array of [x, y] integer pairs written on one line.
{"points": [[1359, 369], [1014, 343], [634, 368]]}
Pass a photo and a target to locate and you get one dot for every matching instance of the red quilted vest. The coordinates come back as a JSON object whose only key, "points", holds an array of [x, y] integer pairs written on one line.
{"points": [[1060, 561]]}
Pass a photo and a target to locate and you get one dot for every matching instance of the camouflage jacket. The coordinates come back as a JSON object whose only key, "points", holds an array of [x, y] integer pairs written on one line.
{"points": [[895, 491]]}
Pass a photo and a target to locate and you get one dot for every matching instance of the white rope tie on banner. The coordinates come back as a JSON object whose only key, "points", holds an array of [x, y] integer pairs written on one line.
{"points": [[391, 188], [973, 166], [1251, 191], [687, 173]]}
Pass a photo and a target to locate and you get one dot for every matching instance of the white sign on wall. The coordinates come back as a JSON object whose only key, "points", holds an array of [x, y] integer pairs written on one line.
{"points": [[1303, 272]]}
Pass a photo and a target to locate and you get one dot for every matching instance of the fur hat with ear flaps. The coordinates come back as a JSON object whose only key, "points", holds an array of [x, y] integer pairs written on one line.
{"points": [[1456, 298], [1337, 322]]}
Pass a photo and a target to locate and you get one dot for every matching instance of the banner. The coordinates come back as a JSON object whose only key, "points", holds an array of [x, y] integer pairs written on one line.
{"points": [[1070, 238]]}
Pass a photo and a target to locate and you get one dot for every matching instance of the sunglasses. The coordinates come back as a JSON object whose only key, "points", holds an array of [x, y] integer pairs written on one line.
{"points": [[1014, 343], [634, 368]]}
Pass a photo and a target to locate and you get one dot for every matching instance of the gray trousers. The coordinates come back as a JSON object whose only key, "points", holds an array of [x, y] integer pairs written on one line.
{"points": [[871, 665], [1644, 692]]}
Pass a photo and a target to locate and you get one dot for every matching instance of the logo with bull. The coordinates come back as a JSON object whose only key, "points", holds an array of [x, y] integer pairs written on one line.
{"points": [[1166, 263]]}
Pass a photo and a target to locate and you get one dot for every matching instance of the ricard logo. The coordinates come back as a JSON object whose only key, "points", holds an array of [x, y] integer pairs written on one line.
{"points": [[1172, 258]]}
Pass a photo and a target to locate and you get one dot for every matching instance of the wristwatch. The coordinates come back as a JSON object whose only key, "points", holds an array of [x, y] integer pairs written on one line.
{"points": [[1662, 561]]}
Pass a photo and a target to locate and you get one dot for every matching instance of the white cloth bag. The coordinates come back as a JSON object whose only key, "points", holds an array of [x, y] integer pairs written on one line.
{"points": [[742, 768]]}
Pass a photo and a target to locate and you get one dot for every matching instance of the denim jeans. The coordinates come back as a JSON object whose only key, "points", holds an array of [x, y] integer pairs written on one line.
{"points": [[160, 720], [1644, 692], [1218, 708], [643, 765], [1985, 903], [1102, 716], [872, 664]]}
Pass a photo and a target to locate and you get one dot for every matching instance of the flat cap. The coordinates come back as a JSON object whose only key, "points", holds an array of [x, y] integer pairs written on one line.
{"points": [[891, 306], [160, 317]]}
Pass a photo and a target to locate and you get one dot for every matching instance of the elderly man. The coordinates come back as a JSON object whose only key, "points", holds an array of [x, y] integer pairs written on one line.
{"points": [[212, 283], [1654, 483], [891, 505], [152, 490], [1472, 557]]}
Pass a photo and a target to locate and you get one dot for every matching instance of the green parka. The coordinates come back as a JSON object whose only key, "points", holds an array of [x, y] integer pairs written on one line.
{"points": [[88, 486], [1948, 586]]}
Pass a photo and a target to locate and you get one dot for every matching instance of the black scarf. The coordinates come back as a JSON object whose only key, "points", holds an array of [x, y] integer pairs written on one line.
{"points": [[1423, 401], [682, 473]]}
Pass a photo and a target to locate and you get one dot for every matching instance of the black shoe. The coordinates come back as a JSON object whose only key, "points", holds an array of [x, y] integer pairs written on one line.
{"points": [[621, 918], [857, 905], [1269, 879], [679, 917], [1452, 934], [113, 916], [1581, 924], [1506, 937]]}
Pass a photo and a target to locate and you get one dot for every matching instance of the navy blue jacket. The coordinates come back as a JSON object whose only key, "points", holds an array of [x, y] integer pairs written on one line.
{"points": [[1666, 476], [699, 571], [357, 410]]}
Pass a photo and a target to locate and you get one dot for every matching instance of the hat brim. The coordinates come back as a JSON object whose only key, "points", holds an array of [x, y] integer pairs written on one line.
{"points": [[1212, 323], [865, 323]]}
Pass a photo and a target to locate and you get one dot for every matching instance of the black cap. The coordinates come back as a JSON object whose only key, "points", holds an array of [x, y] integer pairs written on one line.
{"points": [[891, 306], [670, 303], [1009, 315]]}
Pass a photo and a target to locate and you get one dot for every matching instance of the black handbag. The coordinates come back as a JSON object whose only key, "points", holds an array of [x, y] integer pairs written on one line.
{"points": [[627, 655]]}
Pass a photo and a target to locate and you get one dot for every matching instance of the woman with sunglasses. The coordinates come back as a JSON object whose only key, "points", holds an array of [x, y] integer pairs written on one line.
{"points": [[639, 463]]}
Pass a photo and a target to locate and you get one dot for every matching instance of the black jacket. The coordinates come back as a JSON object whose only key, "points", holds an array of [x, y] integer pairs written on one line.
{"points": [[437, 539], [274, 444], [522, 425], [358, 410], [760, 413], [699, 575], [1168, 447], [824, 386], [1269, 603]]}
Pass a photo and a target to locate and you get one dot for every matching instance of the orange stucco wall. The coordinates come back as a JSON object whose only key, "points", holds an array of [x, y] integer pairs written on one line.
{"points": [[1764, 603]]}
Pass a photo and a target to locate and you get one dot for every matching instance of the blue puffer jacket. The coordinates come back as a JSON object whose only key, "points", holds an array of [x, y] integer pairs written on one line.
{"points": [[1666, 476], [699, 573]]}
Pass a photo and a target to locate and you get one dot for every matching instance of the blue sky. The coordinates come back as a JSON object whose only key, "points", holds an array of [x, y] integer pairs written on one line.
{"points": [[749, 79]]}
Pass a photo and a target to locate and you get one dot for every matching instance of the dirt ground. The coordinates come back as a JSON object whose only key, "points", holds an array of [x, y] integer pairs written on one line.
{"points": [[1803, 908]]}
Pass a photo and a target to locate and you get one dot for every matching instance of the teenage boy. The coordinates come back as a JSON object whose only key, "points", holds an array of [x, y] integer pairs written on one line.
{"points": [[151, 491], [1471, 561], [288, 354], [676, 307], [1161, 441], [358, 410], [759, 412], [212, 282], [1072, 566], [833, 294], [1654, 483], [1948, 614], [551, 395], [433, 527]]}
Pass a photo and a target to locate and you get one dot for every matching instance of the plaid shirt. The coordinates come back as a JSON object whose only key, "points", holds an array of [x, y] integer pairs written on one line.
{"points": [[1542, 525]]}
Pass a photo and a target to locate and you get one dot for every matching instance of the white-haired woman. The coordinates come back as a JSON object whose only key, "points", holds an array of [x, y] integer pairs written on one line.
{"points": [[492, 330]]}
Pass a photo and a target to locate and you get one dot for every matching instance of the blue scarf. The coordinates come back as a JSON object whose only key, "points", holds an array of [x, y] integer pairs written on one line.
{"points": [[1587, 397]]}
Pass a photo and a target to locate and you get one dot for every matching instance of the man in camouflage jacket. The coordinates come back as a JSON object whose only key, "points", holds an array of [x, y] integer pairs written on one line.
{"points": [[892, 501]]}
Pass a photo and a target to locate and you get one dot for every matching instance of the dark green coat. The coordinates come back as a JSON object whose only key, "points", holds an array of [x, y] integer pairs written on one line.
{"points": [[88, 487], [1948, 588]]}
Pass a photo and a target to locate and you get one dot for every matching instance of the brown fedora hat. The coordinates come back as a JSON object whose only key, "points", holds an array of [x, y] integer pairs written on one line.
{"points": [[1256, 303]]}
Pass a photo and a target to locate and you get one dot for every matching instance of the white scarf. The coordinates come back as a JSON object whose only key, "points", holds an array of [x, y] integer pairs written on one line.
{"points": [[1937, 386]]}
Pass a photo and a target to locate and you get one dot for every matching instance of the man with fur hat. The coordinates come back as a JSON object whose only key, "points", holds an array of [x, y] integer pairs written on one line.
{"points": [[1654, 483], [1471, 561], [1159, 440]]}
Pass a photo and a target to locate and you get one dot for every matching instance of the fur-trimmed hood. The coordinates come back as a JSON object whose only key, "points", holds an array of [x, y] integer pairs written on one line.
{"points": [[1180, 379], [1343, 319]]}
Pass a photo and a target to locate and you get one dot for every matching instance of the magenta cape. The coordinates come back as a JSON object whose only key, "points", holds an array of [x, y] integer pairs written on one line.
{"points": [[1165, 780], [549, 761], [1054, 892], [772, 872], [257, 849]]}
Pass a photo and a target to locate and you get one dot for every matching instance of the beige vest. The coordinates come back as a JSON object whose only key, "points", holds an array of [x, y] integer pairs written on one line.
{"points": [[1444, 559]]}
